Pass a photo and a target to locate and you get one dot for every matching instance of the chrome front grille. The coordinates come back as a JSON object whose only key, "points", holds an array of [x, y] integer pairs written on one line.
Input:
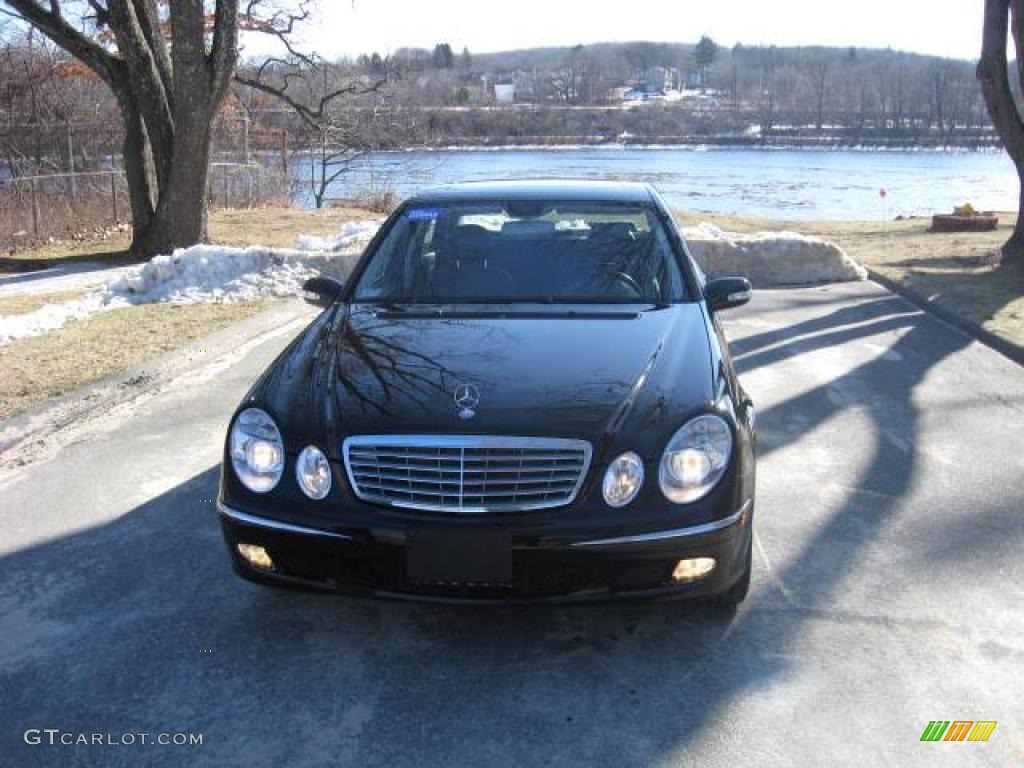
{"points": [[466, 473]]}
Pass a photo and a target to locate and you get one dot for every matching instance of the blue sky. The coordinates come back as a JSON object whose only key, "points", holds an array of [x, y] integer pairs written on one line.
{"points": [[943, 27]]}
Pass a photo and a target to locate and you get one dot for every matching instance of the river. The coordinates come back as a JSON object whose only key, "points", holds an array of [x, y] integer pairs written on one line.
{"points": [[774, 183]]}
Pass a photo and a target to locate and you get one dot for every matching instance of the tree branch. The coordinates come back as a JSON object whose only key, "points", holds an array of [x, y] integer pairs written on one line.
{"points": [[313, 116], [147, 12], [224, 50], [53, 24], [153, 99], [279, 25]]}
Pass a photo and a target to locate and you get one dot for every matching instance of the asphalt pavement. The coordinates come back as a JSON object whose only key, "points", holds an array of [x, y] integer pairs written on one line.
{"points": [[77, 276], [888, 591]]}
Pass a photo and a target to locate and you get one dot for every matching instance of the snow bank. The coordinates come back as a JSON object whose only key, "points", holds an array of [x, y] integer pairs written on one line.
{"points": [[771, 258], [207, 273]]}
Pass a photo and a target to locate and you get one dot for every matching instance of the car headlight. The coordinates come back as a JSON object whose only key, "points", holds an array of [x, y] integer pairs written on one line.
{"points": [[313, 472], [695, 458], [623, 479], [257, 451]]}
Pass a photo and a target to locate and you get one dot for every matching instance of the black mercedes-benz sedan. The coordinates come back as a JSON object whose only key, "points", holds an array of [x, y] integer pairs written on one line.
{"points": [[522, 393]]}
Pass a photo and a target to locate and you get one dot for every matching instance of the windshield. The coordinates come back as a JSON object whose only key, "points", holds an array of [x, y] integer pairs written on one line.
{"points": [[523, 251]]}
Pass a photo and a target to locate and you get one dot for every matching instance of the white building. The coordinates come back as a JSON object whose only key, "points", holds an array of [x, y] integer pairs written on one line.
{"points": [[504, 93]]}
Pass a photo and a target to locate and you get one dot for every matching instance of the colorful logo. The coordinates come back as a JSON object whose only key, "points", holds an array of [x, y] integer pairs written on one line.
{"points": [[958, 730]]}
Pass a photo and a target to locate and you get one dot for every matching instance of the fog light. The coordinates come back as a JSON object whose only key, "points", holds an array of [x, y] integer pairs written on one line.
{"points": [[256, 556], [693, 569]]}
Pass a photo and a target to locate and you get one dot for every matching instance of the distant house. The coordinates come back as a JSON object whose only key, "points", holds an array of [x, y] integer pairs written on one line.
{"points": [[694, 79], [504, 93], [655, 83], [643, 94], [661, 79]]}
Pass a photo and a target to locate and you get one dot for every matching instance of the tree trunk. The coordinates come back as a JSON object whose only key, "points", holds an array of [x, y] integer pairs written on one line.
{"points": [[994, 77], [180, 216], [142, 193], [172, 214], [1013, 249]]}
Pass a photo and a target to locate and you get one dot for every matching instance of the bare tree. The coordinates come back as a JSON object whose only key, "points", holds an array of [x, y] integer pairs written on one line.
{"points": [[565, 83], [169, 65], [314, 89], [1002, 16]]}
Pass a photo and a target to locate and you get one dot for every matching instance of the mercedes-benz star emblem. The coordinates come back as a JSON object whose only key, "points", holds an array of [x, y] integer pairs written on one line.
{"points": [[467, 397]]}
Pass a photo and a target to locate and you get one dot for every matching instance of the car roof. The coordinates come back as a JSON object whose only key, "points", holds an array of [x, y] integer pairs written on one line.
{"points": [[538, 189]]}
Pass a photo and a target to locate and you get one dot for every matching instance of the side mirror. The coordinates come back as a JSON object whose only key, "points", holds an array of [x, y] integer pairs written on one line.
{"points": [[727, 292], [322, 291]]}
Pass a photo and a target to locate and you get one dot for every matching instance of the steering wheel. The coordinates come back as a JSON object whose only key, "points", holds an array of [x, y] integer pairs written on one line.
{"points": [[629, 281]]}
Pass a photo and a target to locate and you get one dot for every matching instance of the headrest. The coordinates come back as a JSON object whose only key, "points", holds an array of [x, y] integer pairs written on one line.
{"points": [[613, 230], [469, 236], [527, 228]]}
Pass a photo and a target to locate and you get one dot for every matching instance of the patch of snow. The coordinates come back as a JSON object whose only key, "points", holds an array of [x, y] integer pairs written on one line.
{"points": [[771, 258], [353, 234], [207, 273], [49, 317]]}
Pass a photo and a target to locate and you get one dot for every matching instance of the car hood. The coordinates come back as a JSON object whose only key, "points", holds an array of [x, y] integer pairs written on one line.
{"points": [[582, 374]]}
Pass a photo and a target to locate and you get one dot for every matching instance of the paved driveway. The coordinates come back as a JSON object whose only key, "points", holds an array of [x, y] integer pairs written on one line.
{"points": [[887, 591], [77, 276]]}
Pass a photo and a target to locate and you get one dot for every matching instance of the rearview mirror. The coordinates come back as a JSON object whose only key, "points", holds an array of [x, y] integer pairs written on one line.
{"points": [[322, 291], [727, 292]]}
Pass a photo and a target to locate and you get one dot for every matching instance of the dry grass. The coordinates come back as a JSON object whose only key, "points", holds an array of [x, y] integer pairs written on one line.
{"points": [[955, 271], [37, 369], [277, 227], [24, 303]]}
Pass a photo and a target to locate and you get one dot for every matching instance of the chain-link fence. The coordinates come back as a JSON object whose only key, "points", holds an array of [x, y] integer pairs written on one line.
{"points": [[233, 185], [63, 206], [64, 180], [70, 206]]}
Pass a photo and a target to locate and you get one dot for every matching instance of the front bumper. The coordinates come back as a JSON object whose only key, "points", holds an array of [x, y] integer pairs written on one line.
{"points": [[570, 568]]}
